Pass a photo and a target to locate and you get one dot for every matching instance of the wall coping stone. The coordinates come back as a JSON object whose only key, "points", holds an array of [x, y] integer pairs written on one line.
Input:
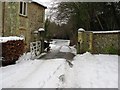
{"points": [[115, 31]]}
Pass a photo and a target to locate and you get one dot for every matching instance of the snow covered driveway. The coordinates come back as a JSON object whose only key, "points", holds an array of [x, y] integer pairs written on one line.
{"points": [[88, 71], [32, 74], [94, 71]]}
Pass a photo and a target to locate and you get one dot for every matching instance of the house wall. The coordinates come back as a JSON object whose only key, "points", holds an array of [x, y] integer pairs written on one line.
{"points": [[11, 19], [36, 18], [0, 18], [32, 22], [18, 25], [104, 43]]}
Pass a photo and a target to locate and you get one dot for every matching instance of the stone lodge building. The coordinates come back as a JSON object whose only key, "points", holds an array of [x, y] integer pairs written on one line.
{"points": [[21, 19]]}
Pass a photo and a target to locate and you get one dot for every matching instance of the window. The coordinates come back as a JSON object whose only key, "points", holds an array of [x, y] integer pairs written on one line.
{"points": [[23, 8]]}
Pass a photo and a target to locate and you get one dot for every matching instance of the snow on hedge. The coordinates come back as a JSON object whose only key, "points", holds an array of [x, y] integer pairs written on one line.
{"points": [[10, 38]]}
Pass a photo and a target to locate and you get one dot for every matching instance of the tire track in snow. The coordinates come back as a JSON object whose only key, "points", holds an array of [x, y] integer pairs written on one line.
{"points": [[37, 72], [11, 78]]}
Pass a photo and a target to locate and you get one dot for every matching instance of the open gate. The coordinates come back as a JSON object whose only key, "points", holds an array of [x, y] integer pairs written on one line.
{"points": [[35, 49]]}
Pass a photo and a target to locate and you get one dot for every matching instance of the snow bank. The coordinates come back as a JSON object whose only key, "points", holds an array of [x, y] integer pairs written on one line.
{"points": [[61, 42], [24, 57], [88, 71], [0, 79], [5, 39], [73, 50], [54, 47], [33, 74], [65, 49], [70, 49], [94, 71], [58, 43]]}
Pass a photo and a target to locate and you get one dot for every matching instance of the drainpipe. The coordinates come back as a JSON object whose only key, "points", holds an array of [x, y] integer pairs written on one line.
{"points": [[3, 16]]}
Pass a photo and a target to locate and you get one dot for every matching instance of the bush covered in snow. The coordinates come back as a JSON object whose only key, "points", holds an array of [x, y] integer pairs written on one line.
{"points": [[11, 51]]}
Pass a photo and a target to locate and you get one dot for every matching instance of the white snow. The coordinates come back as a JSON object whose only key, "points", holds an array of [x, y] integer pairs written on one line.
{"points": [[60, 42], [65, 49], [70, 49], [88, 71], [54, 47], [5, 39], [73, 50], [94, 71], [32, 74], [41, 29], [115, 31], [81, 30], [57, 43], [39, 2], [24, 58], [0, 79]]}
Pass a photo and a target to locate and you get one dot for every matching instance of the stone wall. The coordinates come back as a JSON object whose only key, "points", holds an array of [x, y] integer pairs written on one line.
{"points": [[104, 43], [36, 18], [11, 19]]}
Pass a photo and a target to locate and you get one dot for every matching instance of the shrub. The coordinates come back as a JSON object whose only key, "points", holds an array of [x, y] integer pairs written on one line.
{"points": [[111, 50], [11, 51]]}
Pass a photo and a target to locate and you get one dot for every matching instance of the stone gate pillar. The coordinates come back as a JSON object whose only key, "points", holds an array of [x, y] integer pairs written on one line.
{"points": [[80, 40]]}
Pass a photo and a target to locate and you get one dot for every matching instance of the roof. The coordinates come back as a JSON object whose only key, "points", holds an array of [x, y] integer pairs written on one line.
{"points": [[39, 3]]}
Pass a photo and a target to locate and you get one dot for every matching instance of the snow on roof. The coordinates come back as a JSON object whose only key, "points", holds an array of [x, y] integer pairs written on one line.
{"points": [[81, 30], [10, 38], [116, 31], [38, 2], [41, 29]]}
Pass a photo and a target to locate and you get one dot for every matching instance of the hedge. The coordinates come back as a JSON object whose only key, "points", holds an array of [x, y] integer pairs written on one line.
{"points": [[11, 51]]}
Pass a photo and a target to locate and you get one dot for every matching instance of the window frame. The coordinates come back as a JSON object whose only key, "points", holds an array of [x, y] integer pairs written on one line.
{"points": [[23, 12]]}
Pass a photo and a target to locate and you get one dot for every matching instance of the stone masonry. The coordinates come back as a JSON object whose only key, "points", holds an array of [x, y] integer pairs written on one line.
{"points": [[99, 43], [19, 25]]}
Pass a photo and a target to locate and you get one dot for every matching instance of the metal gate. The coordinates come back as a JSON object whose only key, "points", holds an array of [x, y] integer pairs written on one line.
{"points": [[35, 49]]}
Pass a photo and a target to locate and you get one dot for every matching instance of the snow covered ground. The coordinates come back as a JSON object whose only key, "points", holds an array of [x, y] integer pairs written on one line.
{"points": [[94, 71], [88, 71], [32, 74]]}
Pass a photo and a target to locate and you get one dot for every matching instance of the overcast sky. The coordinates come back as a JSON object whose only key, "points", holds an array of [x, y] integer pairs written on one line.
{"points": [[45, 2], [48, 4]]}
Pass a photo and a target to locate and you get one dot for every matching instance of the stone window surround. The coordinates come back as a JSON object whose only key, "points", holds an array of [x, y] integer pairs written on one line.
{"points": [[23, 8]]}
